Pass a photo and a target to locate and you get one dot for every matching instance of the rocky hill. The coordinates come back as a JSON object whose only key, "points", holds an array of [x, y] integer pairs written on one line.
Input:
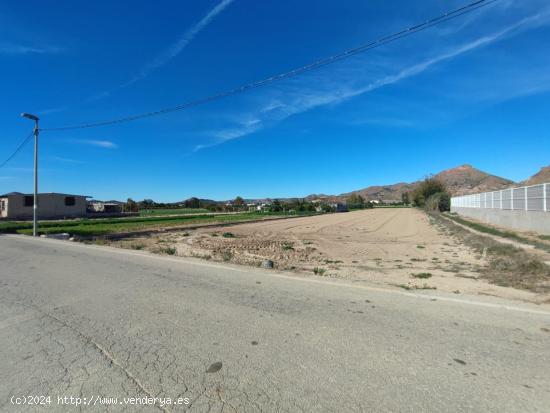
{"points": [[460, 180], [543, 176], [466, 179], [383, 192]]}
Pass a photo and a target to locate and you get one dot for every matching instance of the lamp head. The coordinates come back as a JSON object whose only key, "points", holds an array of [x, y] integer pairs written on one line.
{"points": [[29, 116]]}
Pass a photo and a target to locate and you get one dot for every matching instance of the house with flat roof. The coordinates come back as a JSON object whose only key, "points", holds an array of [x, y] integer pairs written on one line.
{"points": [[16, 205]]}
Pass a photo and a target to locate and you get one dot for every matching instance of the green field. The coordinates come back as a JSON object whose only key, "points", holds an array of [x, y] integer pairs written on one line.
{"points": [[97, 227], [171, 211]]}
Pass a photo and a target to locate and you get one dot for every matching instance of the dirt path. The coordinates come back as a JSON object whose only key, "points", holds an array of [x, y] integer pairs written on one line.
{"points": [[397, 247]]}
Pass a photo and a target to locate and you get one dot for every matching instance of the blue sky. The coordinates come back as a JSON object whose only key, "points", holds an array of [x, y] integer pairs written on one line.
{"points": [[475, 90]]}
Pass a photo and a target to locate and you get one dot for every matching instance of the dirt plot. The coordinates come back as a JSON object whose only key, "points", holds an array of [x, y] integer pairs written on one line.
{"points": [[398, 247]]}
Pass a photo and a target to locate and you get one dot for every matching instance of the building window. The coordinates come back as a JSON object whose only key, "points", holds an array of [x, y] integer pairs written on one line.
{"points": [[69, 201], [29, 201], [2, 205]]}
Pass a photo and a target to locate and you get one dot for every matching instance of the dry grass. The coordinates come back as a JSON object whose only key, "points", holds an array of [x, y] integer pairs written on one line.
{"points": [[507, 266]]}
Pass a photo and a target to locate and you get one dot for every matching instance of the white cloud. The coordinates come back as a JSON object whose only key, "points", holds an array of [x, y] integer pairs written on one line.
{"points": [[161, 60], [176, 48], [302, 96], [15, 49], [22, 49], [67, 160], [98, 143]]}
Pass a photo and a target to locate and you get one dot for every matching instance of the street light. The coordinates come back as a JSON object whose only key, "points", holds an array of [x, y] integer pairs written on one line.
{"points": [[35, 203]]}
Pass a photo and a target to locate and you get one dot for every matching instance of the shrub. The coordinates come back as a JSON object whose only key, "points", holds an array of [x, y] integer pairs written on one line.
{"points": [[422, 275], [432, 194], [287, 246], [430, 186], [319, 271], [440, 201], [169, 250]]}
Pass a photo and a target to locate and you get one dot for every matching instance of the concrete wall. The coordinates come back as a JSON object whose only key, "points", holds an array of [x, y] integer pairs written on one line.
{"points": [[535, 221], [3, 207], [49, 206]]}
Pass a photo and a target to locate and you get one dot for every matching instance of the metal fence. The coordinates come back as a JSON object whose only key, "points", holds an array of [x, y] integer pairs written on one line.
{"points": [[525, 198]]}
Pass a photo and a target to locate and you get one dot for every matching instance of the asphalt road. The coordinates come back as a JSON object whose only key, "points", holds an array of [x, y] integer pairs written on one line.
{"points": [[88, 321]]}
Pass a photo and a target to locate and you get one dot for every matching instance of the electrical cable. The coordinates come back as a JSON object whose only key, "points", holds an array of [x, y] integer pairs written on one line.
{"points": [[453, 14]]}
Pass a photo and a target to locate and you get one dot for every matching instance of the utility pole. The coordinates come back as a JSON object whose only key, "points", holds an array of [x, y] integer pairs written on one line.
{"points": [[35, 202]]}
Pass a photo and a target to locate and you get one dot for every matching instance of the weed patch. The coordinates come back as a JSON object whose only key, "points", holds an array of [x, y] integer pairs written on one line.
{"points": [[319, 271], [227, 256], [507, 265], [168, 250], [486, 229], [422, 275], [287, 246]]}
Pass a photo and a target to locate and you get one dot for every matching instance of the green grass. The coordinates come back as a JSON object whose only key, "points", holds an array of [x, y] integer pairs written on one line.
{"points": [[98, 227], [170, 211]]}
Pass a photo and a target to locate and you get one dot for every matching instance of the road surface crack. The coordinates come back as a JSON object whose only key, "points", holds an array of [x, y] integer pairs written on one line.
{"points": [[103, 351]]}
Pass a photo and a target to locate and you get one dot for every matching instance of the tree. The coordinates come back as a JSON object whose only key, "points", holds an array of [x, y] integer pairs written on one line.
{"points": [[427, 188], [355, 200], [276, 206], [130, 206], [432, 194], [192, 203], [405, 198], [238, 202], [327, 208], [146, 203]]}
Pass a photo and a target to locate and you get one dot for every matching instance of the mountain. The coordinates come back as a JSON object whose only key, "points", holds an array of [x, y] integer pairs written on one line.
{"points": [[324, 198], [542, 177], [460, 180], [383, 192], [466, 179]]}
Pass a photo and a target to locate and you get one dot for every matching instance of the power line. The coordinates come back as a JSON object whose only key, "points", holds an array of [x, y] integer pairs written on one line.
{"points": [[453, 14], [17, 150]]}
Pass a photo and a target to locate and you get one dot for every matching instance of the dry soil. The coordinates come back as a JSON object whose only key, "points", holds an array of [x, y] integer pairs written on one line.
{"points": [[396, 247]]}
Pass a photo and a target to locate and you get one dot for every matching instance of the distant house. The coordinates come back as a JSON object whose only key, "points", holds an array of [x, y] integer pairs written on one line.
{"points": [[105, 207], [16, 205], [339, 207]]}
